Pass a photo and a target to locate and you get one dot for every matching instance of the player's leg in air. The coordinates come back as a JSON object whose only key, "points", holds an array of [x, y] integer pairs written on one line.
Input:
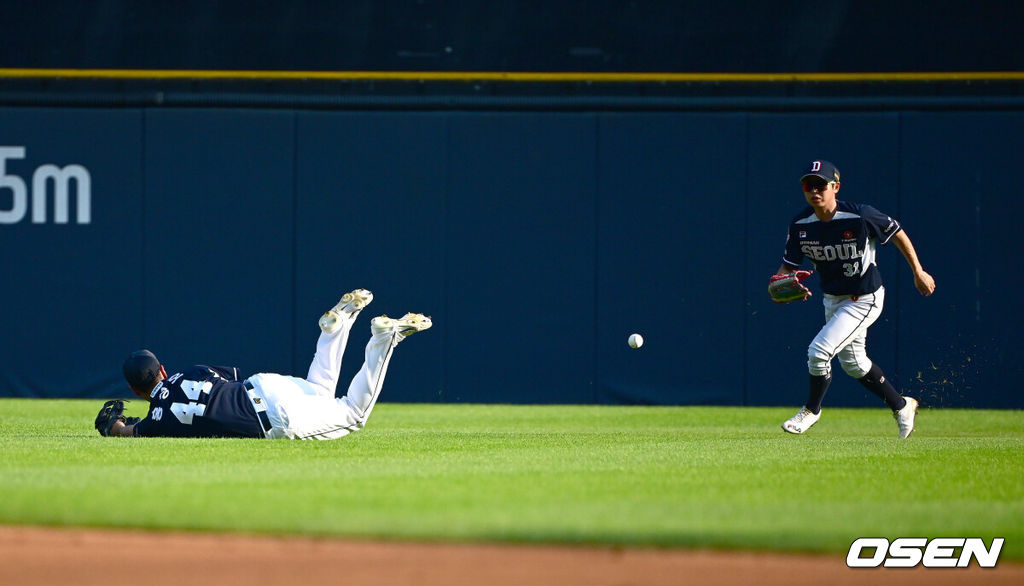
{"points": [[366, 384], [335, 325], [307, 408]]}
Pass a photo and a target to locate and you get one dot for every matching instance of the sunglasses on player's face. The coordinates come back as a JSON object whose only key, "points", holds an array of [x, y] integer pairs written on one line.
{"points": [[813, 183]]}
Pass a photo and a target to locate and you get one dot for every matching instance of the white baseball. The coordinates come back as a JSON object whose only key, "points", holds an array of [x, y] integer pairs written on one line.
{"points": [[636, 340]]}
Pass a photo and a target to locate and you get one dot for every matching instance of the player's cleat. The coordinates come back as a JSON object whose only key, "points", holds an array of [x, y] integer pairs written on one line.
{"points": [[408, 325], [802, 421], [905, 417], [350, 303]]}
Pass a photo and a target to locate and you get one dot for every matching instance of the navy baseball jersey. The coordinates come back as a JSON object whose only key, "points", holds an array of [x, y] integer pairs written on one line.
{"points": [[202, 401], [842, 250]]}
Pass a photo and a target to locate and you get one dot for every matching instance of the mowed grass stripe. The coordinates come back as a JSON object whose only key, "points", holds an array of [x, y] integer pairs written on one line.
{"points": [[647, 476]]}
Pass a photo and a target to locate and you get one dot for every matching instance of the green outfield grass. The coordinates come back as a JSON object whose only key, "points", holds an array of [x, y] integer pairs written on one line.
{"points": [[652, 476]]}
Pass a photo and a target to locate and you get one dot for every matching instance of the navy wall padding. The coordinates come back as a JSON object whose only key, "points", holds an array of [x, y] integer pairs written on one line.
{"points": [[370, 210], [670, 260], [70, 295], [520, 258], [537, 241], [218, 238], [960, 348]]}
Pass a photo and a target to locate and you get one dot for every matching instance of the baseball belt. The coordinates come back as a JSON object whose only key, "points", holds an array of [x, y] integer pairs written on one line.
{"points": [[260, 405]]}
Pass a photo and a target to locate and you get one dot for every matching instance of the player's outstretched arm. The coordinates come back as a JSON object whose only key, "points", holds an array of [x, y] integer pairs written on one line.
{"points": [[119, 429], [784, 269], [923, 281]]}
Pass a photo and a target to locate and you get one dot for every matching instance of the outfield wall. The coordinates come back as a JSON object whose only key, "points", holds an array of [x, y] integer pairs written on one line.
{"points": [[538, 241]]}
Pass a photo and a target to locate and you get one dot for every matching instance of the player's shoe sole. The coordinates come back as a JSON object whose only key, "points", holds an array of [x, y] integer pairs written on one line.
{"points": [[408, 325], [905, 417], [350, 303], [801, 422]]}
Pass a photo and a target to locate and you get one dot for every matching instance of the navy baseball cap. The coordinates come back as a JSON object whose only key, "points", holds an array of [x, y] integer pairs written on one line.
{"points": [[141, 369], [823, 169]]}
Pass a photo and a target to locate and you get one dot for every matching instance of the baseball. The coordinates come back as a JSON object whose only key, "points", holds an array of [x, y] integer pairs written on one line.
{"points": [[636, 340]]}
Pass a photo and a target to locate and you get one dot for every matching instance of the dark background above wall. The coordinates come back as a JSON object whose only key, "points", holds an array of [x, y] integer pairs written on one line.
{"points": [[577, 35]]}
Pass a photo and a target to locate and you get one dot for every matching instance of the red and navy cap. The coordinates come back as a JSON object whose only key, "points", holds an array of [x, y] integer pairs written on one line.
{"points": [[141, 369], [823, 169]]}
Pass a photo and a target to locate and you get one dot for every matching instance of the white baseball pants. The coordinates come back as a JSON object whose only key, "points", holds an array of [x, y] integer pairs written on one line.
{"points": [[847, 320], [307, 408]]}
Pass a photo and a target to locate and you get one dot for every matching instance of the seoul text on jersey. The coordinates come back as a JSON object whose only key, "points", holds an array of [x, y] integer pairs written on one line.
{"points": [[827, 252]]}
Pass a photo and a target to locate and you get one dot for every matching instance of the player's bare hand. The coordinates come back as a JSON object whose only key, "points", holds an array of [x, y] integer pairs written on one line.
{"points": [[924, 283]]}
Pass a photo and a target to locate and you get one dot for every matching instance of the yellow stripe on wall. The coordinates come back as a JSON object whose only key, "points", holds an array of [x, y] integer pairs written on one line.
{"points": [[511, 76]]}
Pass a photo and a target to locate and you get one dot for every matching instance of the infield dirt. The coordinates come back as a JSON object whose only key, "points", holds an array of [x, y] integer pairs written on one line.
{"points": [[35, 556]]}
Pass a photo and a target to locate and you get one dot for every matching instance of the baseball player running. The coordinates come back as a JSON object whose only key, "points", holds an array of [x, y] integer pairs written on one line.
{"points": [[840, 240], [212, 401]]}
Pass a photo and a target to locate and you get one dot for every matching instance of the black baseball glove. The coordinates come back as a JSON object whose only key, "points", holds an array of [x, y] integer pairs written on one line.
{"points": [[112, 411]]}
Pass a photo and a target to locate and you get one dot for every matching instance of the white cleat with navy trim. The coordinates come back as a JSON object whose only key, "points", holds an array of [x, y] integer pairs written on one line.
{"points": [[802, 421], [905, 417]]}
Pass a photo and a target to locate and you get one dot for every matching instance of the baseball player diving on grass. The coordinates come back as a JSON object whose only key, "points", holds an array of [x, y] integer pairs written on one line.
{"points": [[212, 401], [840, 240]]}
